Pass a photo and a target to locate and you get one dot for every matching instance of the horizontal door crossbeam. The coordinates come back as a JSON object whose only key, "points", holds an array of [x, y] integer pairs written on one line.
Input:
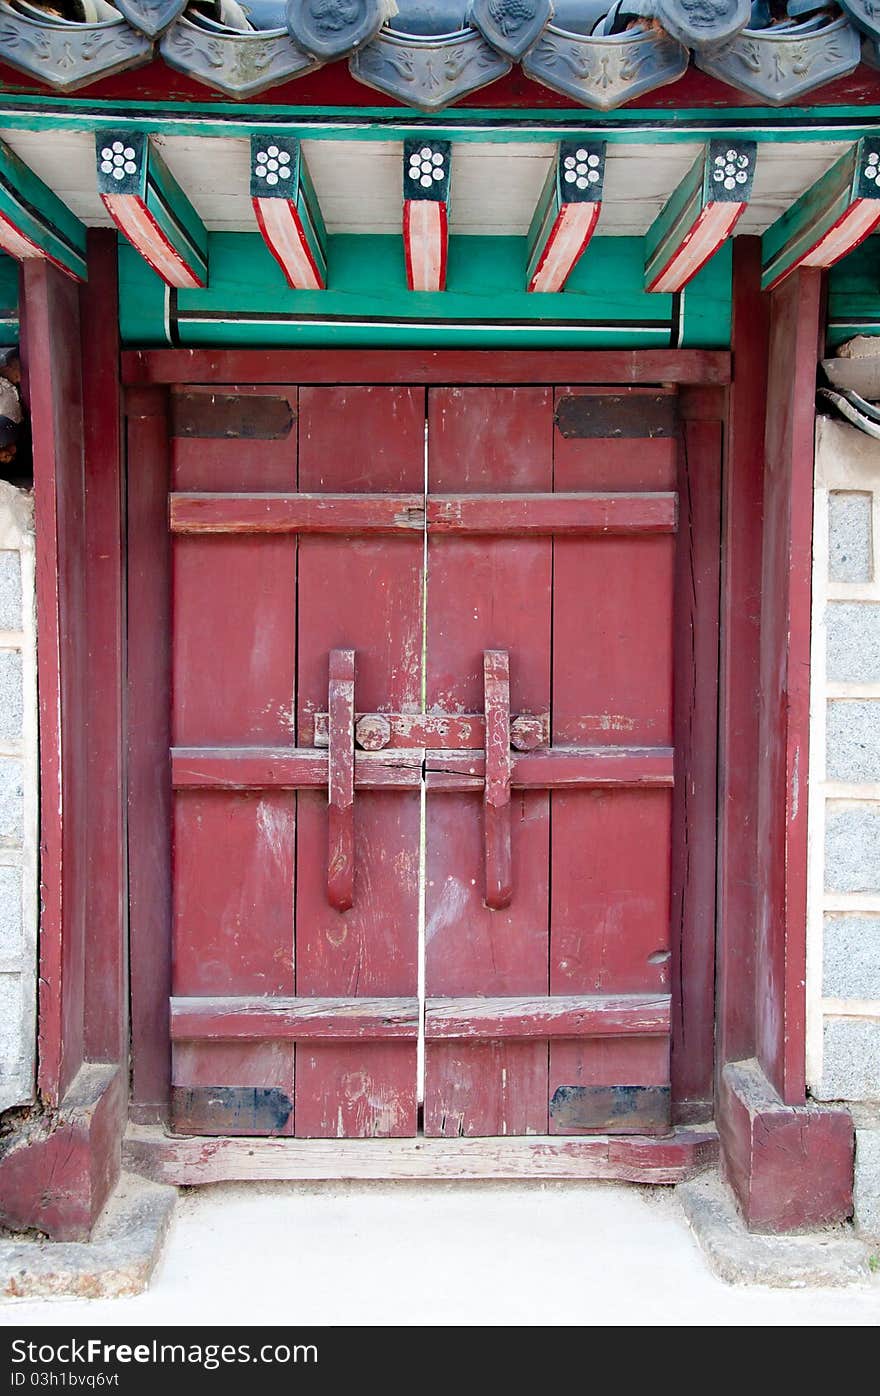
{"points": [[569, 1015], [293, 1019], [600, 515], [253, 1019], [307, 768]]}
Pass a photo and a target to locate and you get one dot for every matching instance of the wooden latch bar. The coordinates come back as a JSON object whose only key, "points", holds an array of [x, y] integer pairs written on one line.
{"points": [[340, 854], [496, 797]]}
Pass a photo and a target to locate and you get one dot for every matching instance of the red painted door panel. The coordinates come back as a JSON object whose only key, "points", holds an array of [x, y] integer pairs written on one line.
{"points": [[471, 548]]}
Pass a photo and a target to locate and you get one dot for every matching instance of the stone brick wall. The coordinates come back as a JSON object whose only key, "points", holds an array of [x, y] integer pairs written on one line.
{"points": [[18, 799], [843, 958]]}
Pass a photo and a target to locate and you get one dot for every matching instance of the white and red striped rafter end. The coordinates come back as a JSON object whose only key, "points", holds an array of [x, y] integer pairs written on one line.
{"points": [[566, 215], [426, 178], [712, 228], [287, 211], [700, 215]]}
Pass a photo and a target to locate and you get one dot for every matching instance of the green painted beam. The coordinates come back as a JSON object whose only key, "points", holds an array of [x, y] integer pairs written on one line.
{"points": [[528, 125], [831, 218], [148, 205], [486, 303], [34, 222]]}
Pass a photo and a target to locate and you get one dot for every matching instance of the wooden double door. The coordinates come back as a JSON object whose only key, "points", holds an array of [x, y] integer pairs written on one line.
{"points": [[432, 653]]}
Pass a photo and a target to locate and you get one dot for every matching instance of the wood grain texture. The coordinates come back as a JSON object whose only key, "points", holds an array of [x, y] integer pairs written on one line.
{"points": [[484, 593], [149, 734], [288, 768], [364, 595], [557, 768], [795, 320], [340, 760], [296, 513], [106, 987], [739, 766], [193, 1162], [255, 1019], [53, 389], [601, 514], [567, 1015], [496, 791], [358, 366]]}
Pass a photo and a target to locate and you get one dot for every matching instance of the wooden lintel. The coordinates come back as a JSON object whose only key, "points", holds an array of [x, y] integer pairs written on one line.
{"points": [[292, 1019], [568, 1015]]}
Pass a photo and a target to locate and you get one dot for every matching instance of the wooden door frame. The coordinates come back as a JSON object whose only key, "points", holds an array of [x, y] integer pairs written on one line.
{"points": [[790, 1163]]}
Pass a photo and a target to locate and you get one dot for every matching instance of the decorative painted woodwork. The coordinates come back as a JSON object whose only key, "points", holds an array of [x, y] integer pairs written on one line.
{"points": [[566, 214], [427, 167], [288, 211], [148, 206], [35, 223], [830, 219], [700, 215], [781, 64], [605, 72]]}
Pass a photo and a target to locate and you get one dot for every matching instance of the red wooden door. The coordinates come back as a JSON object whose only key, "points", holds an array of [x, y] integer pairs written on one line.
{"points": [[387, 595]]}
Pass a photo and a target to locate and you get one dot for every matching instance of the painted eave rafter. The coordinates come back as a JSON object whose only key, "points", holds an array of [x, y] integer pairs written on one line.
{"points": [[426, 180], [566, 214], [149, 207], [288, 212], [829, 219], [34, 222], [700, 215]]}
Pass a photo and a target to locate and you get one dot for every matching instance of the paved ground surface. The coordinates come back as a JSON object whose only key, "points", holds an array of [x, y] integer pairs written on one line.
{"points": [[456, 1253]]}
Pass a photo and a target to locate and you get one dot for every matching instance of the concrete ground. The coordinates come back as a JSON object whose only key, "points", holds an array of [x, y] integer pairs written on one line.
{"points": [[443, 1254]]}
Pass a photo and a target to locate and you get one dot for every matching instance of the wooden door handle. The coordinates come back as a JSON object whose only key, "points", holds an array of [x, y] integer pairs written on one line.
{"points": [[340, 853], [496, 798]]}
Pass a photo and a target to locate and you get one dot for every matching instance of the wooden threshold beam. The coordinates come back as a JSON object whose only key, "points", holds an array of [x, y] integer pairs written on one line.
{"points": [[831, 218], [568, 1015], [426, 178], [288, 211], [566, 214], [700, 215], [255, 1019], [34, 223], [150, 1152], [149, 207]]}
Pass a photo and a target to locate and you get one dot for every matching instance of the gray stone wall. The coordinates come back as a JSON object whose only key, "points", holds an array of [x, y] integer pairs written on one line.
{"points": [[18, 800], [843, 974]]}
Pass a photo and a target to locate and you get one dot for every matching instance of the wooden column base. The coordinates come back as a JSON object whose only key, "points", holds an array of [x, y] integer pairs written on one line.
{"points": [[60, 1168], [791, 1166]]}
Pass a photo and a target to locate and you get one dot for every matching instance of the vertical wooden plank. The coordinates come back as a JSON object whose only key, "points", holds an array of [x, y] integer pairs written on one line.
{"points": [[234, 677], [795, 319], [738, 764], [53, 383], [487, 593], [612, 684], [149, 734], [694, 805], [363, 594], [106, 1009], [496, 800]]}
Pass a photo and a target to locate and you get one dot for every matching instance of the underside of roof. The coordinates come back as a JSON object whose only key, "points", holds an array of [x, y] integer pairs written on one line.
{"points": [[429, 54]]}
